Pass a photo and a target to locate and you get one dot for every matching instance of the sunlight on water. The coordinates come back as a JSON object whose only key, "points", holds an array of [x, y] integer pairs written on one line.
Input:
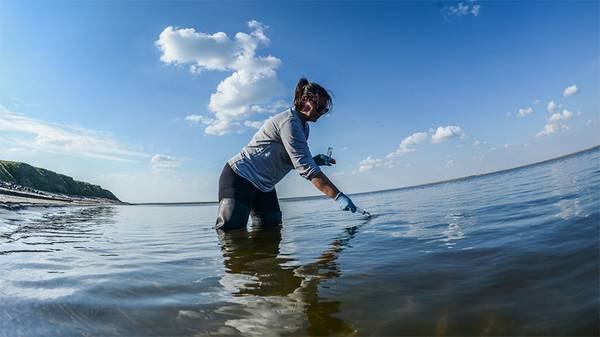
{"points": [[513, 253]]}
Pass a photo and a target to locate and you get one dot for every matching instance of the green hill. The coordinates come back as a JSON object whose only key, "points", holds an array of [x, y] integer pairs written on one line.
{"points": [[48, 181]]}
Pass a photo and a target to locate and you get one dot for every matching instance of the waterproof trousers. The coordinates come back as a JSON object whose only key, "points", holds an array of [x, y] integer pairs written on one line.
{"points": [[238, 199]]}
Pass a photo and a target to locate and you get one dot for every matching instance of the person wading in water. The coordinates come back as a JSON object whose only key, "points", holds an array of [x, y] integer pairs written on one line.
{"points": [[247, 182]]}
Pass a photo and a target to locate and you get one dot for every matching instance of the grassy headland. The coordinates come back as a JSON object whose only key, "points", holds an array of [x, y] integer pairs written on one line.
{"points": [[25, 175]]}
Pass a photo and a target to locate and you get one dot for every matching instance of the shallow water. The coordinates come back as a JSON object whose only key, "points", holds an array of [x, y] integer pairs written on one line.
{"points": [[513, 253]]}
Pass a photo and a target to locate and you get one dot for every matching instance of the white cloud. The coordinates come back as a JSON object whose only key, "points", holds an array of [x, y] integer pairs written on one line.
{"points": [[250, 88], [35, 134], [161, 162], [570, 91], [205, 51], [552, 106], [463, 9], [525, 112], [508, 114], [450, 163], [550, 129], [407, 144], [556, 122], [537, 101], [369, 164], [558, 117], [255, 124], [445, 133], [223, 127], [199, 119]]}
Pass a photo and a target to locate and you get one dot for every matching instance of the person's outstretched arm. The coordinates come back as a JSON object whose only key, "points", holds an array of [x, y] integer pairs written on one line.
{"points": [[323, 184], [294, 141]]}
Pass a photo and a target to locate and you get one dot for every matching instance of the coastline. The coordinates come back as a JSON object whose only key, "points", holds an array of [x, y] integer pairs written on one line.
{"points": [[15, 197], [12, 198]]}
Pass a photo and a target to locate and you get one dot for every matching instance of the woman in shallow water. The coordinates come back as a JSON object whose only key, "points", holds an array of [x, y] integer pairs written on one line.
{"points": [[247, 182]]}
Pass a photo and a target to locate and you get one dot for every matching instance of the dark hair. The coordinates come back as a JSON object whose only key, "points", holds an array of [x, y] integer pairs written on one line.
{"points": [[310, 90]]}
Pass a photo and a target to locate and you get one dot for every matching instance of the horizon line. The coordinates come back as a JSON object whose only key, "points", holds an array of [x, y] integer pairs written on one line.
{"points": [[203, 203]]}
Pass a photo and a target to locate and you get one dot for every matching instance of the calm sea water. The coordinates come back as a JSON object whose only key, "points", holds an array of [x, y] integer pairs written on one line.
{"points": [[513, 253]]}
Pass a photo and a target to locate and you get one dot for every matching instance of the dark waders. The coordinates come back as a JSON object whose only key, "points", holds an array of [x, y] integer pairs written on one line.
{"points": [[238, 199]]}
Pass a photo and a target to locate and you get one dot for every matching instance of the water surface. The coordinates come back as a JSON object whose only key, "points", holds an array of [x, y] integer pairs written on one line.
{"points": [[512, 253]]}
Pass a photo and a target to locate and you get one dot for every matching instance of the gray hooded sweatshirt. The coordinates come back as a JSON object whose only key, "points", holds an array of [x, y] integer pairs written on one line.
{"points": [[279, 146]]}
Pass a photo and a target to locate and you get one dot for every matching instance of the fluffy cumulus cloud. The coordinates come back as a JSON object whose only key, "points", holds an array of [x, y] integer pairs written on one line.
{"points": [[525, 112], [407, 145], [203, 51], [556, 122], [24, 132], [369, 164], [560, 117], [570, 91], [414, 139], [199, 119], [448, 132], [161, 162], [249, 89], [254, 124], [438, 135], [549, 129], [462, 9]]}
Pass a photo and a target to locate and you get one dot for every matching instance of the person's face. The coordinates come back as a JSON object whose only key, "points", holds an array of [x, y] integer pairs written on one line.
{"points": [[313, 108]]}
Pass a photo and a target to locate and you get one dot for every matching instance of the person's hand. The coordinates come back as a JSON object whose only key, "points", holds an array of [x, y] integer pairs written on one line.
{"points": [[345, 203], [323, 160]]}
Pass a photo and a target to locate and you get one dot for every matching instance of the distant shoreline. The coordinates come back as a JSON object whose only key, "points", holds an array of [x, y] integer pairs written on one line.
{"points": [[204, 203], [13, 199]]}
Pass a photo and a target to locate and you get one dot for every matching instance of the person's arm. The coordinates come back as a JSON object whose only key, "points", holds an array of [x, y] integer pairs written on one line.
{"points": [[294, 141], [323, 184]]}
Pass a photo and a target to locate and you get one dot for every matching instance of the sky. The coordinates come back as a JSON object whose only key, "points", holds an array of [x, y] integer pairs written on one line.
{"points": [[150, 99]]}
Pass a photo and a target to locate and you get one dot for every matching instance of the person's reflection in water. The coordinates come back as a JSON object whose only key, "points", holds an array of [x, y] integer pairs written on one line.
{"points": [[255, 254], [278, 298]]}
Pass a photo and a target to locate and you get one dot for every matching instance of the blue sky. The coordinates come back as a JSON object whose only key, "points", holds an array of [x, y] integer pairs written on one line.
{"points": [[150, 99]]}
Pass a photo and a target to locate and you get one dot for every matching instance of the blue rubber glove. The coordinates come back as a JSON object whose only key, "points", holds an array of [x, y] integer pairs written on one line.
{"points": [[323, 160], [345, 203]]}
